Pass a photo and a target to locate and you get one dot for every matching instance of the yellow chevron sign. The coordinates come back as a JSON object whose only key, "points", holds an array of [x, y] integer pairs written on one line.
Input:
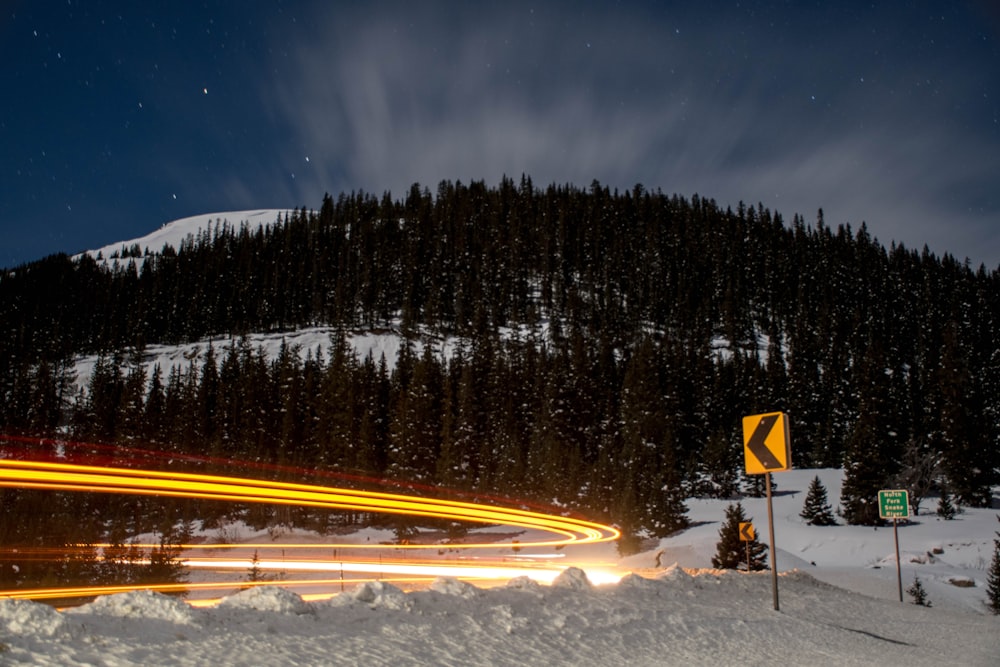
{"points": [[746, 532], [766, 443]]}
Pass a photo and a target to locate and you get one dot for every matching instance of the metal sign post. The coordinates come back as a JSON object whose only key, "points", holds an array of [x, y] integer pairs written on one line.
{"points": [[767, 448], [774, 554], [899, 572], [895, 504]]}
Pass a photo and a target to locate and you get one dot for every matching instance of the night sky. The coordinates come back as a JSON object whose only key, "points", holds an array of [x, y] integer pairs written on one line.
{"points": [[116, 117]]}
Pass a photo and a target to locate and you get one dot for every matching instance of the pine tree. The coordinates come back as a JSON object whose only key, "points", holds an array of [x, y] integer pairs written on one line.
{"points": [[721, 466], [731, 551], [415, 429], [164, 564], [153, 408], [755, 486], [816, 510], [945, 508], [920, 467], [254, 573], [102, 408], [993, 577], [121, 563], [966, 454], [917, 592], [647, 459], [868, 462]]}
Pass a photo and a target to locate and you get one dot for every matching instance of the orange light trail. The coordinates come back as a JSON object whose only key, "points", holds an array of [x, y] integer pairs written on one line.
{"points": [[90, 591], [73, 477]]}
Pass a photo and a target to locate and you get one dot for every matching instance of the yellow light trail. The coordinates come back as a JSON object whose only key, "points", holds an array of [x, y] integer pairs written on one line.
{"points": [[417, 568], [73, 477], [90, 591]]}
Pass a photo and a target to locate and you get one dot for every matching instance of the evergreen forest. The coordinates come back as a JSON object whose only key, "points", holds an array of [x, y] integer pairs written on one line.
{"points": [[603, 348]]}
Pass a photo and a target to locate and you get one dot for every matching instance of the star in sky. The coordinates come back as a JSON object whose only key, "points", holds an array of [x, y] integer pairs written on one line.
{"points": [[118, 116]]}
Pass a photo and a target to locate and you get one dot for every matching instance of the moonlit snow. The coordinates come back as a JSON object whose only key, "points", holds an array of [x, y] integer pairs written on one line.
{"points": [[842, 611], [176, 232], [838, 592]]}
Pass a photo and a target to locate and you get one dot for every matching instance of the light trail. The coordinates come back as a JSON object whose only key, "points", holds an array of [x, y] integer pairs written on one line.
{"points": [[92, 591], [425, 569], [72, 477], [47, 475]]}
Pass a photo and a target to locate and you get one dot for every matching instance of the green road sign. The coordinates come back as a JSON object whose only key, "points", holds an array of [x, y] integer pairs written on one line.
{"points": [[894, 504]]}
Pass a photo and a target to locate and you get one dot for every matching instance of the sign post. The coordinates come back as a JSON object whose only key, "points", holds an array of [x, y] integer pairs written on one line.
{"points": [[895, 504], [746, 536], [767, 448]]}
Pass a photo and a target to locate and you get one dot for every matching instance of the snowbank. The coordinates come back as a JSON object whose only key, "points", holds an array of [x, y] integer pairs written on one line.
{"points": [[677, 618]]}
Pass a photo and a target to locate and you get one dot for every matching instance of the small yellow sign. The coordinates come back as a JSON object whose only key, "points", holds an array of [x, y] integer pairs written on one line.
{"points": [[766, 443], [746, 532]]}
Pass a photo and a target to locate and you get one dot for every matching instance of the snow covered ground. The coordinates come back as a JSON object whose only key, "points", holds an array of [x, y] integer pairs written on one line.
{"points": [[385, 344], [838, 589], [842, 610], [176, 232]]}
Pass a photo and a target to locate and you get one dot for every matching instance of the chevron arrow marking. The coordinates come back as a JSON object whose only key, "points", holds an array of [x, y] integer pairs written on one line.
{"points": [[757, 445]]}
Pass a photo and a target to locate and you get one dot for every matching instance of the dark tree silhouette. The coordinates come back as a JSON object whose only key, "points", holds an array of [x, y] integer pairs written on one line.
{"points": [[816, 510], [731, 551]]}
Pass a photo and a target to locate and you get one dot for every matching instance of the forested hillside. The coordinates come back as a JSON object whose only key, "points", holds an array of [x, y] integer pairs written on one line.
{"points": [[608, 344]]}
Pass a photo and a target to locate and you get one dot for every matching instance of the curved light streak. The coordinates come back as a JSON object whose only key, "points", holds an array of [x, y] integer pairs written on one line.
{"points": [[73, 477], [565, 531]]}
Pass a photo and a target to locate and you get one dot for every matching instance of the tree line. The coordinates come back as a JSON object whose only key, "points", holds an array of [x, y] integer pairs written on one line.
{"points": [[609, 343]]}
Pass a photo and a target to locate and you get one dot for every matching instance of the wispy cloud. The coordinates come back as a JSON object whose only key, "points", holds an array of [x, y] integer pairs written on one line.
{"points": [[730, 110]]}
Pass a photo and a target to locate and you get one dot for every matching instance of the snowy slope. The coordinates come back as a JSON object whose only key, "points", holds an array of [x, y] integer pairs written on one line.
{"points": [[838, 590], [661, 616], [175, 232], [858, 558], [307, 341], [382, 344]]}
